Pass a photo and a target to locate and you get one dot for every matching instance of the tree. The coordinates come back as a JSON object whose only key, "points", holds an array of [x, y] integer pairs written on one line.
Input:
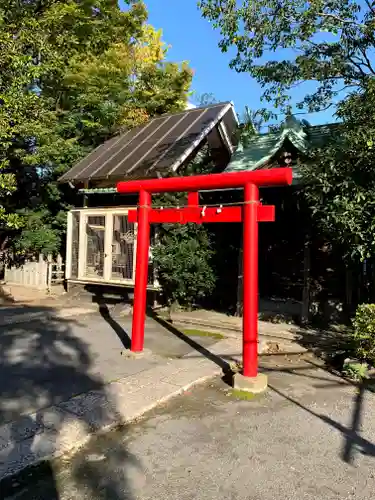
{"points": [[205, 99], [340, 180], [37, 42], [122, 87], [285, 44], [251, 124], [330, 45], [72, 74]]}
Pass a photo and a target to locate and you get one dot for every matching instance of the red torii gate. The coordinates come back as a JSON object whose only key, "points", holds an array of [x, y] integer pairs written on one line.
{"points": [[250, 213]]}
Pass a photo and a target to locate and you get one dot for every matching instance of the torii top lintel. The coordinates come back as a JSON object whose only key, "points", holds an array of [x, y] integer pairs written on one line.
{"points": [[260, 178]]}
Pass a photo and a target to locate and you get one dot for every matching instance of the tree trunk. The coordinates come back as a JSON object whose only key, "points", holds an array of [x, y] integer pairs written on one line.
{"points": [[305, 316]]}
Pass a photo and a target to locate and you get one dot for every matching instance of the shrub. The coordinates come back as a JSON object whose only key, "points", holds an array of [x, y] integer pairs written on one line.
{"points": [[364, 333], [356, 371], [182, 257]]}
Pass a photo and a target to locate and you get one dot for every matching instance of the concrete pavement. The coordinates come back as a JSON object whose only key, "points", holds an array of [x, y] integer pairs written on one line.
{"points": [[48, 356], [311, 437], [53, 431], [64, 375], [63, 378]]}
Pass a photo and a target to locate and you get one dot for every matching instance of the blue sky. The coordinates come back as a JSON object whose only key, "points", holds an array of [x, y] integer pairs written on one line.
{"points": [[193, 39]]}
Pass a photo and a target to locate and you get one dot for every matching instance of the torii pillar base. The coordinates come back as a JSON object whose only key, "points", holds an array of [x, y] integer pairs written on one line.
{"points": [[253, 385]]}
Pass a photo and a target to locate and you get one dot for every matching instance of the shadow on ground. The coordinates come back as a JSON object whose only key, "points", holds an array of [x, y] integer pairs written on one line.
{"points": [[42, 363], [34, 356], [197, 347], [319, 377], [47, 348], [352, 440], [323, 341], [116, 327]]}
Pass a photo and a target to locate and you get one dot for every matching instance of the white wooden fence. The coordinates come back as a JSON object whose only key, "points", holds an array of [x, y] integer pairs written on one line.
{"points": [[42, 272]]}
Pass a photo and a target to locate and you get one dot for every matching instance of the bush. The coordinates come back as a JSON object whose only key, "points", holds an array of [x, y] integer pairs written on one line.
{"points": [[364, 333]]}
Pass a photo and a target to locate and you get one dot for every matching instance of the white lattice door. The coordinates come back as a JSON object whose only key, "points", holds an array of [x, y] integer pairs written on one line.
{"points": [[122, 249]]}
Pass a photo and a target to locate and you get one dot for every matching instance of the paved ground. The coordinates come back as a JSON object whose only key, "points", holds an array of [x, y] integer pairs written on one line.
{"points": [[46, 358], [311, 437], [278, 332], [64, 378]]}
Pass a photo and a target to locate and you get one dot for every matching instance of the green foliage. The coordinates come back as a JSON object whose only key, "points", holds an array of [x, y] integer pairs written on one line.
{"points": [[261, 33], [281, 45], [182, 257], [364, 333], [205, 99], [7, 187], [356, 371], [37, 43], [40, 233], [340, 179], [251, 125], [182, 254], [72, 74], [121, 87]]}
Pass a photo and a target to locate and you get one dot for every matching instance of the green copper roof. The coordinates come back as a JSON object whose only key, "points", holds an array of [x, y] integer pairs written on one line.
{"points": [[260, 149]]}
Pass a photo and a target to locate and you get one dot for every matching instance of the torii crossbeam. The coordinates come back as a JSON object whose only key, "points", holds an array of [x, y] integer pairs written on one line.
{"points": [[250, 212]]}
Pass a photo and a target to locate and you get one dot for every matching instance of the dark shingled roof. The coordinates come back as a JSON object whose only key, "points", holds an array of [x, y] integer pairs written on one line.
{"points": [[159, 146]]}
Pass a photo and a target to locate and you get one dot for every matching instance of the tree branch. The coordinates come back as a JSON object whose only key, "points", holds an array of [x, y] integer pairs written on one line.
{"points": [[358, 66], [370, 6], [349, 86], [341, 20], [368, 62]]}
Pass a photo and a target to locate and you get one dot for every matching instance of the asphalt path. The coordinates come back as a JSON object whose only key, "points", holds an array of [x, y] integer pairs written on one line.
{"points": [[310, 437]]}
